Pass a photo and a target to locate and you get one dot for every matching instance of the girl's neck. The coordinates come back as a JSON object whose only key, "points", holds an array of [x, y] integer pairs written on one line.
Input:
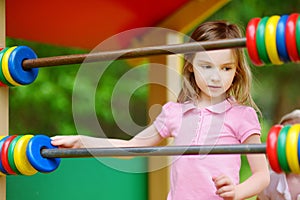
{"points": [[203, 102]]}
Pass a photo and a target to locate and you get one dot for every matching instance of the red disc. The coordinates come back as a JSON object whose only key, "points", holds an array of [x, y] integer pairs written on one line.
{"points": [[290, 37], [4, 155], [251, 41], [272, 148], [2, 84]]}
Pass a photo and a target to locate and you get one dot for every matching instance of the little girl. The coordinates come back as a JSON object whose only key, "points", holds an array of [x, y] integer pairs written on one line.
{"points": [[214, 107]]}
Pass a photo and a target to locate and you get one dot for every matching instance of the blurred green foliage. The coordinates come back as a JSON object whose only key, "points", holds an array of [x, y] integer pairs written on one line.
{"points": [[45, 107]]}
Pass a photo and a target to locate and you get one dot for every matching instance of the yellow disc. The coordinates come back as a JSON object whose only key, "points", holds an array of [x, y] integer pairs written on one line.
{"points": [[20, 158], [5, 68], [2, 174], [292, 148], [270, 39]]}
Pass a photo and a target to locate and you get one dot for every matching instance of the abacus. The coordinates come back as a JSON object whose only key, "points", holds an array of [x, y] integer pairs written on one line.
{"points": [[29, 154], [270, 40]]}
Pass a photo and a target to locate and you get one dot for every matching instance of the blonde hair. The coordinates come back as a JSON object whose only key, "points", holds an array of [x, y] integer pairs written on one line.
{"points": [[241, 85]]}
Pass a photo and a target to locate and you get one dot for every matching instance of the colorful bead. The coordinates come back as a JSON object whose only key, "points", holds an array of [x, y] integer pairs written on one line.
{"points": [[3, 171], [260, 40], [291, 37], [35, 145], [270, 40], [298, 35], [281, 148], [4, 155], [17, 56], [298, 151], [292, 148], [280, 39], [11, 149], [20, 157], [5, 69], [272, 148], [251, 41]]}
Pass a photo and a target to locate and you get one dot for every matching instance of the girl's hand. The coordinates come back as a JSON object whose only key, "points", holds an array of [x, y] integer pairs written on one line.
{"points": [[71, 141], [225, 187]]}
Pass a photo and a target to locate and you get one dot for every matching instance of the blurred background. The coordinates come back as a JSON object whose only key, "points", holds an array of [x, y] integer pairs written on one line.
{"points": [[45, 107]]}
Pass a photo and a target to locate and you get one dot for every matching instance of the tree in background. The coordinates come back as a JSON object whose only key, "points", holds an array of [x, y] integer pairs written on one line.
{"points": [[45, 106]]}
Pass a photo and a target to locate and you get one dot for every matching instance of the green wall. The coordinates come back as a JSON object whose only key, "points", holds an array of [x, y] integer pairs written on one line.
{"points": [[84, 178]]}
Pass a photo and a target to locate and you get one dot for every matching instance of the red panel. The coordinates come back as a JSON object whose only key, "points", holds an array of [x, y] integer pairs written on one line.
{"points": [[82, 24]]}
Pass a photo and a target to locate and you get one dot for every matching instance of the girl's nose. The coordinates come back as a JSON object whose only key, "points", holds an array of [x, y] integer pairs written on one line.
{"points": [[215, 76]]}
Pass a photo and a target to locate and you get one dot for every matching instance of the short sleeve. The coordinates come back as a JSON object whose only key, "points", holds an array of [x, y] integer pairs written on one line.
{"points": [[168, 120], [249, 124]]}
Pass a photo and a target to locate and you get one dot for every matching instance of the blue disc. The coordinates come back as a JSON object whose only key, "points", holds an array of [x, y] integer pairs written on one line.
{"points": [[299, 149], [15, 60], [33, 152], [280, 39], [1, 166]]}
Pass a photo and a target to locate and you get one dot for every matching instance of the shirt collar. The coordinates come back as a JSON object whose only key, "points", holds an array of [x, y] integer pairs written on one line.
{"points": [[217, 108]]}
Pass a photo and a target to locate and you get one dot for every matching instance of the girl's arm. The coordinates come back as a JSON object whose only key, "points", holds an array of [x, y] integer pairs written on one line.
{"points": [[259, 179], [148, 137]]}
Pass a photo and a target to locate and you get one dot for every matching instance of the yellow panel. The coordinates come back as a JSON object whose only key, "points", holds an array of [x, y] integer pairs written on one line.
{"points": [[191, 14]]}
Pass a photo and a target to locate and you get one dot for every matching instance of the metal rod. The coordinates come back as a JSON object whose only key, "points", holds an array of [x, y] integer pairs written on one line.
{"points": [[134, 53], [155, 151]]}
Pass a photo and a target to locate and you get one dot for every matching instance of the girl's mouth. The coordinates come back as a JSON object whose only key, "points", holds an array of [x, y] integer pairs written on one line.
{"points": [[213, 86]]}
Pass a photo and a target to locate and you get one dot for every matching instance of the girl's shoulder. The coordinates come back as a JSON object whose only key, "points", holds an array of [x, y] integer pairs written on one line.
{"points": [[239, 109], [172, 106], [179, 106]]}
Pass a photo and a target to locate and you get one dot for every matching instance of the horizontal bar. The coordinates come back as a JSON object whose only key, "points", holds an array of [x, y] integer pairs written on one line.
{"points": [[154, 151], [189, 47]]}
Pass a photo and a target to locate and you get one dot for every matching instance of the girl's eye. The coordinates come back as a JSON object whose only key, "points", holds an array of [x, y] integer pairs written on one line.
{"points": [[227, 68], [206, 66]]}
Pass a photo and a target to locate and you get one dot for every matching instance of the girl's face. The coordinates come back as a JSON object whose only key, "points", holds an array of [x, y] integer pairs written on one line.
{"points": [[214, 72]]}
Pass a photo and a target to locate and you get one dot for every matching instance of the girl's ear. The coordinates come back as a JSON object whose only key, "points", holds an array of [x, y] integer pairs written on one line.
{"points": [[190, 68]]}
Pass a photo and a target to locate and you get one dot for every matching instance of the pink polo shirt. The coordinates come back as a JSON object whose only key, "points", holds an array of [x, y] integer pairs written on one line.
{"points": [[223, 123]]}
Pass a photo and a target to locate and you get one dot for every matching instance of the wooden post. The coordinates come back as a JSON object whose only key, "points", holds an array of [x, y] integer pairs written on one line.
{"points": [[3, 98], [169, 79]]}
